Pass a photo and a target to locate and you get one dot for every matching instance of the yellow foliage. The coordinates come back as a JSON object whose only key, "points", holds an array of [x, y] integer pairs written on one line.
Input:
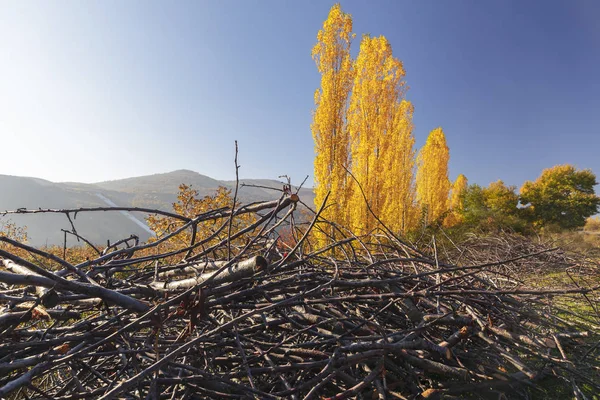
{"points": [[332, 56], [458, 188], [378, 122], [500, 198], [592, 224], [433, 184], [455, 216], [399, 212], [12, 231], [562, 196], [363, 122], [188, 205]]}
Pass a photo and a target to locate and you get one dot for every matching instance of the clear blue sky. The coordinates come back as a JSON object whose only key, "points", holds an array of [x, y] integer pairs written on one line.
{"points": [[97, 90]]}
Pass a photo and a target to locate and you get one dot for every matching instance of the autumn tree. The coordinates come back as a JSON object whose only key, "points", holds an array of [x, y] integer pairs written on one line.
{"points": [[592, 224], [13, 231], [458, 189], [10, 230], [190, 205], [363, 124], [473, 210], [492, 208], [501, 199], [562, 196], [332, 56], [433, 185], [378, 122], [399, 194]]}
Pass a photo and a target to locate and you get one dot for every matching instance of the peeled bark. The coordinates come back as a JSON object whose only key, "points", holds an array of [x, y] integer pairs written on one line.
{"points": [[240, 270]]}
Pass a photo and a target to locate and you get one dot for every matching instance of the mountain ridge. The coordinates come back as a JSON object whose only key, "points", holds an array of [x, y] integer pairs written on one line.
{"points": [[156, 191]]}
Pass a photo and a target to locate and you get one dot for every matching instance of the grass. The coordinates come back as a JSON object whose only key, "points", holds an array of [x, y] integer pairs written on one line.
{"points": [[583, 314]]}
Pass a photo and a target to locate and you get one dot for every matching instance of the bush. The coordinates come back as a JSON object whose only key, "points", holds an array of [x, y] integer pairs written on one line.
{"points": [[592, 224]]}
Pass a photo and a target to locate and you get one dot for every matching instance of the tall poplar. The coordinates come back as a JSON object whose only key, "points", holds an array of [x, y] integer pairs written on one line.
{"points": [[433, 185], [332, 56], [456, 201], [374, 124], [398, 192]]}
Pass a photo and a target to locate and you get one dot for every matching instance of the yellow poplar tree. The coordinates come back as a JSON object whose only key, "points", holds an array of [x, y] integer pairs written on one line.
{"points": [[332, 56], [456, 201], [375, 124], [398, 209], [433, 185]]}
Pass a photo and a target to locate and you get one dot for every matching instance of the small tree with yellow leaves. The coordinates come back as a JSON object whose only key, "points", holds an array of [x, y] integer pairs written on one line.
{"points": [[459, 187], [189, 205]]}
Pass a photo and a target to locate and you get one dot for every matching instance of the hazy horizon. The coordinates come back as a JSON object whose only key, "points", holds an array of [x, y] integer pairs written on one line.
{"points": [[155, 173]]}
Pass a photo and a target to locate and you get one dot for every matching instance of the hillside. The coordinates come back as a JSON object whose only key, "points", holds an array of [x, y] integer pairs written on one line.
{"points": [[152, 191], [160, 190]]}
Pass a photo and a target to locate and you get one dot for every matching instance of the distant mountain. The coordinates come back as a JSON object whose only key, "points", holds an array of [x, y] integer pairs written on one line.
{"points": [[160, 190], [157, 191], [161, 183]]}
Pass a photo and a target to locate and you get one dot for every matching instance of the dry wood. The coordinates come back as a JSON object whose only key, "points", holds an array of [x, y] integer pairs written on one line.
{"points": [[369, 317], [232, 272]]}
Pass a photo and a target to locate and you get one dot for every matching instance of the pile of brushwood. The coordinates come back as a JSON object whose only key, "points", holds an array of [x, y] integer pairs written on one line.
{"points": [[356, 317]]}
